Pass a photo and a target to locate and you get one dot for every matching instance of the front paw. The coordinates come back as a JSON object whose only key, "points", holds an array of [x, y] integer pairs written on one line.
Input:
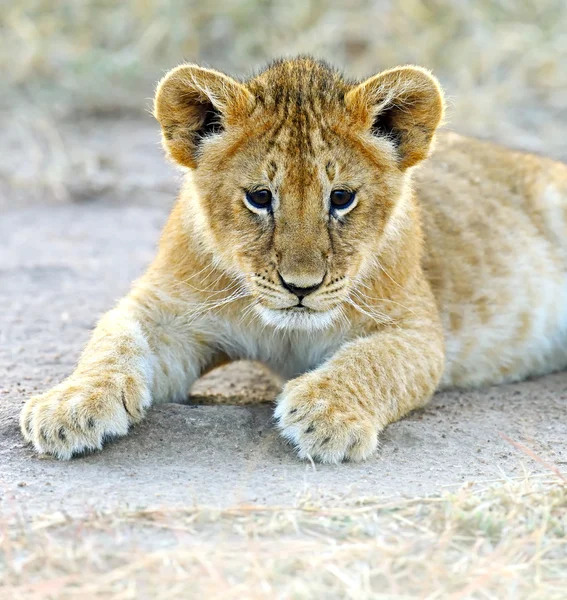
{"points": [[324, 421], [80, 413]]}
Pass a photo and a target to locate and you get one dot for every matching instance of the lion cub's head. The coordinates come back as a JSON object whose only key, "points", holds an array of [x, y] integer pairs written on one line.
{"points": [[296, 173]]}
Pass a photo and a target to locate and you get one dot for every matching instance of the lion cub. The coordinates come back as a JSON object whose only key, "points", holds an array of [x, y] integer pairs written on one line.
{"points": [[305, 238]]}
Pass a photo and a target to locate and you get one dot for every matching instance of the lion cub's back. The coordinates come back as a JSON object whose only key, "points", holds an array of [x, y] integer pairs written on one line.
{"points": [[495, 223]]}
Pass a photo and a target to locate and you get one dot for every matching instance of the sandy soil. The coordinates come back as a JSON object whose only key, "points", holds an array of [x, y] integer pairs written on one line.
{"points": [[65, 257]]}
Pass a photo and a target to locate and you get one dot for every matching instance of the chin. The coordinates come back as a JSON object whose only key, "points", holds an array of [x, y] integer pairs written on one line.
{"points": [[303, 319]]}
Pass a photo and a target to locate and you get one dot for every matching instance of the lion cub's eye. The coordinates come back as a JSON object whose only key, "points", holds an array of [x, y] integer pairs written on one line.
{"points": [[341, 199], [259, 198]]}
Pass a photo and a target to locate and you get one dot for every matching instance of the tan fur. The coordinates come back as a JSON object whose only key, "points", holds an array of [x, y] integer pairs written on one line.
{"points": [[449, 274]]}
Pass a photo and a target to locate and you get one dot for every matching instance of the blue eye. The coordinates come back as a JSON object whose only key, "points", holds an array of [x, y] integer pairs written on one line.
{"points": [[259, 198], [341, 199]]}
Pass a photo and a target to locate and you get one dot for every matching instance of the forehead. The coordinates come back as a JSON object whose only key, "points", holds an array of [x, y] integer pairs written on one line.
{"points": [[298, 106], [296, 83]]}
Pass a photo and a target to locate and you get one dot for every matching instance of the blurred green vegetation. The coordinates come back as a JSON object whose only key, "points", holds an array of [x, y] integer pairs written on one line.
{"points": [[503, 62]]}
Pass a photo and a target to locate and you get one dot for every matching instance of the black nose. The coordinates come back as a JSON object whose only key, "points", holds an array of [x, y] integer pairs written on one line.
{"points": [[300, 292]]}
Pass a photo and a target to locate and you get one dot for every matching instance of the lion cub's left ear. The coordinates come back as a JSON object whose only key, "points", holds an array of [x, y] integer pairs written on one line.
{"points": [[403, 104]]}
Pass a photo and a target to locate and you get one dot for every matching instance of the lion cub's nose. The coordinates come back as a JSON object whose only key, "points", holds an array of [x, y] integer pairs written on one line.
{"points": [[300, 291]]}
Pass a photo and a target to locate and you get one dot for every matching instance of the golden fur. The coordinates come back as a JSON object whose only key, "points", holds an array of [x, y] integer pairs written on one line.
{"points": [[451, 273]]}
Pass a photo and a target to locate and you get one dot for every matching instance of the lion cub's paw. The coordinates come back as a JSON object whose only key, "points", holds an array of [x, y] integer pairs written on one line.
{"points": [[79, 414], [323, 422]]}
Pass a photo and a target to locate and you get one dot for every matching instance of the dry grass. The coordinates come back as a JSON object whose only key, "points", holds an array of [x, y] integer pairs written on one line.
{"points": [[507, 541], [502, 62]]}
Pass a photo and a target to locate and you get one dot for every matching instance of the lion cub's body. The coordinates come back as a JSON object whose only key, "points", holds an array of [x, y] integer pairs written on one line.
{"points": [[495, 224], [306, 237]]}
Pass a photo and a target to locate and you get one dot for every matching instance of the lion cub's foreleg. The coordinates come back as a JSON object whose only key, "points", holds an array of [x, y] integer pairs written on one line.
{"points": [[337, 411], [141, 351]]}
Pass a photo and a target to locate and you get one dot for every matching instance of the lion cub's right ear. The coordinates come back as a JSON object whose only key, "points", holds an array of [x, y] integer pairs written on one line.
{"points": [[191, 103]]}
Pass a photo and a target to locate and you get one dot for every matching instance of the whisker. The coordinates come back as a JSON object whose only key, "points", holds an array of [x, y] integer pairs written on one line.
{"points": [[185, 282], [263, 283], [249, 311], [208, 288], [328, 291], [377, 317], [343, 319], [272, 293], [362, 296], [210, 306], [381, 267], [388, 275], [210, 267]]}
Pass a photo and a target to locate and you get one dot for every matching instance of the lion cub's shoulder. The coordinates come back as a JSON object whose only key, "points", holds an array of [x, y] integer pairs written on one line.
{"points": [[465, 170]]}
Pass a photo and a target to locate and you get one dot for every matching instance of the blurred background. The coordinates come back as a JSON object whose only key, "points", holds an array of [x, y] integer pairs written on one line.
{"points": [[78, 75]]}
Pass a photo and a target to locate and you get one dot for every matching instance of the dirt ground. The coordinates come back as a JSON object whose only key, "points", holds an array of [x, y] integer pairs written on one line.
{"points": [[77, 225]]}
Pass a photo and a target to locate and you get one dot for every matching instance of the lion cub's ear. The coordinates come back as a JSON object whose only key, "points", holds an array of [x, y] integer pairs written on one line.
{"points": [[403, 104], [192, 102]]}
